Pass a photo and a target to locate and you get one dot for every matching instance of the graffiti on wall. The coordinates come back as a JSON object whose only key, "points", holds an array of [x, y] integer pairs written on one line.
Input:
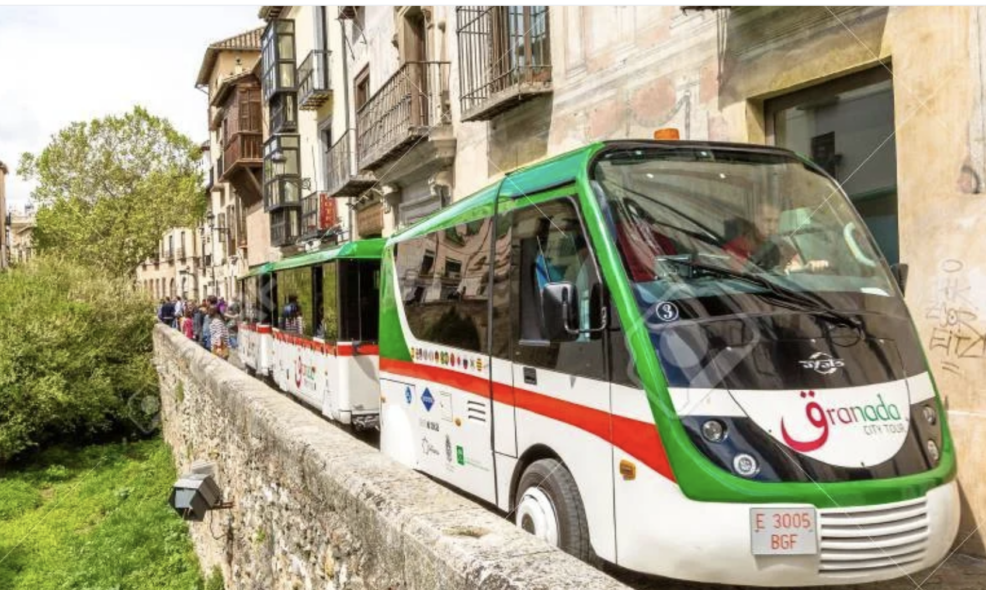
{"points": [[958, 335]]}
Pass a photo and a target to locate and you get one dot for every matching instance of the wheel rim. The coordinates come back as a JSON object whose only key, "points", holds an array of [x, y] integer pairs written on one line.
{"points": [[536, 515]]}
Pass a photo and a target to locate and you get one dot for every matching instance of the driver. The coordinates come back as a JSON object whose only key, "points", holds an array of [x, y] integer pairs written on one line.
{"points": [[759, 243]]}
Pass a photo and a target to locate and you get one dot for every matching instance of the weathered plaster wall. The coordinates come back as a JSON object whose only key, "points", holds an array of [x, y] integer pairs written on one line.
{"points": [[316, 508]]}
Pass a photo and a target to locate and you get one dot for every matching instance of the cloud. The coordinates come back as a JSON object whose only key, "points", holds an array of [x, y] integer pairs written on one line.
{"points": [[65, 64]]}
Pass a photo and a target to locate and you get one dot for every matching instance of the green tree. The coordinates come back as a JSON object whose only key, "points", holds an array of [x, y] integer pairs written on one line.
{"points": [[109, 188]]}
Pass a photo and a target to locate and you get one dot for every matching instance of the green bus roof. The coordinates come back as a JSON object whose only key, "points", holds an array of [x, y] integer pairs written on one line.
{"points": [[358, 250]]}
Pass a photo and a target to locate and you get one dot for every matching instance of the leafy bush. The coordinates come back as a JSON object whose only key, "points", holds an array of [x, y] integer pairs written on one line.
{"points": [[75, 352]]}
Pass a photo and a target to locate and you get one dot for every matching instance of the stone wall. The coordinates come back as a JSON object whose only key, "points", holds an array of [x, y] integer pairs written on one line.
{"points": [[314, 507]]}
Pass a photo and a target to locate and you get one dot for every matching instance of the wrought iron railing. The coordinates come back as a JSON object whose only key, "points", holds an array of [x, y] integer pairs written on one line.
{"points": [[342, 174], [504, 57], [414, 100], [313, 80]]}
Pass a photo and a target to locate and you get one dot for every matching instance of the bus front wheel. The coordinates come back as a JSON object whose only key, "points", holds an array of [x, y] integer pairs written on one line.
{"points": [[549, 507]]}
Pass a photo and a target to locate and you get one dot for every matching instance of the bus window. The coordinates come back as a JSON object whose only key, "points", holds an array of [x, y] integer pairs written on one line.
{"points": [[329, 327], [294, 301], [444, 282], [550, 246]]}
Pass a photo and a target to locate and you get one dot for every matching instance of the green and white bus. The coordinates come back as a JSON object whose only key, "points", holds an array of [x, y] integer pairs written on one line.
{"points": [[310, 326], [685, 358]]}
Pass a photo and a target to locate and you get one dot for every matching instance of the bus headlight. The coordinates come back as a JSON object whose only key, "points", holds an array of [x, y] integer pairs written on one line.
{"points": [[930, 415], [745, 465], [933, 451], [713, 431]]}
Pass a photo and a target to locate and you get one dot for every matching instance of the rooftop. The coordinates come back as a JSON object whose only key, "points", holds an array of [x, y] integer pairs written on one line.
{"points": [[247, 41]]}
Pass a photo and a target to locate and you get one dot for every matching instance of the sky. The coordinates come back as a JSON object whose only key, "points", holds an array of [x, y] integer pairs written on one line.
{"points": [[74, 63]]}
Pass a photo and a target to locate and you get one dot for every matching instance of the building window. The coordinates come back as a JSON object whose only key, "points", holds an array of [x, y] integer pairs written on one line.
{"points": [[504, 57], [282, 171], [362, 85], [283, 113], [285, 225], [847, 128], [278, 58]]}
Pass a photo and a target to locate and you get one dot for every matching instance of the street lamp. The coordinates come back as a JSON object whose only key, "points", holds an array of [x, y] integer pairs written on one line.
{"points": [[210, 223]]}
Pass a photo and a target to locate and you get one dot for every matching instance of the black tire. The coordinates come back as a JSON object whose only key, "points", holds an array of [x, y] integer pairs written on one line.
{"points": [[558, 484]]}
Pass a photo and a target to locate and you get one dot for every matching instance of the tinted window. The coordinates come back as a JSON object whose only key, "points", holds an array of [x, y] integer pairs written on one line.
{"points": [[330, 301], [296, 284], [549, 245], [359, 298], [444, 280], [501, 288]]}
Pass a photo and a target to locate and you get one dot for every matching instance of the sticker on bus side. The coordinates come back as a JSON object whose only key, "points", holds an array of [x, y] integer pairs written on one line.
{"points": [[783, 531]]}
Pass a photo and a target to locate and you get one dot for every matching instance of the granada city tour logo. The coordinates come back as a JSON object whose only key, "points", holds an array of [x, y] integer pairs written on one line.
{"points": [[878, 418]]}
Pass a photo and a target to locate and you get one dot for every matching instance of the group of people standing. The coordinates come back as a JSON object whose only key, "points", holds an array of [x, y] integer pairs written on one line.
{"points": [[211, 323]]}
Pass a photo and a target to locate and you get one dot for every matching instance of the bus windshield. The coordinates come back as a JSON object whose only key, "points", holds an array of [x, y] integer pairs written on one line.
{"points": [[709, 221]]}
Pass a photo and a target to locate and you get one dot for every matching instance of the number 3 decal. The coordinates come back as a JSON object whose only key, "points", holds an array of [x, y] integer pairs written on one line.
{"points": [[667, 311]]}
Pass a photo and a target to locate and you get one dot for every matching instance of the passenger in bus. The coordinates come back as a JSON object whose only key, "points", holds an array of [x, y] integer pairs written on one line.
{"points": [[759, 242], [293, 322]]}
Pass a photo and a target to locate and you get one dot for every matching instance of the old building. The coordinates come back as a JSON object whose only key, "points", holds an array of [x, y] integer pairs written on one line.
{"points": [[20, 233], [176, 268], [233, 158]]}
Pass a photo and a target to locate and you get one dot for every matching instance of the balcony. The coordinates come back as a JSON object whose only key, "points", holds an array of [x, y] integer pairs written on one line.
{"points": [[314, 81], [282, 172], [406, 109], [284, 227], [181, 254], [243, 130], [309, 216], [342, 174], [505, 58], [244, 150]]}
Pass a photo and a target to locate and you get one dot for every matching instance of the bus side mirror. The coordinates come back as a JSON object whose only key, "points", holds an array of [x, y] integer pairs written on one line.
{"points": [[559, 311], [899, 271]]}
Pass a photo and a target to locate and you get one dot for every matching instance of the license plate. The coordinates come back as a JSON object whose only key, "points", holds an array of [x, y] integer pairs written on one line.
{"points": [[783, 531]]}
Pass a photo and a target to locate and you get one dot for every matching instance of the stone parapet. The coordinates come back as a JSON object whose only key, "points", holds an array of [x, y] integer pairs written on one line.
{"points": [[314, 507]]}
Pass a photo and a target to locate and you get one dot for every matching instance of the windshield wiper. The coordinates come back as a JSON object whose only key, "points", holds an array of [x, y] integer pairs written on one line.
{"points": [[780, 292]]}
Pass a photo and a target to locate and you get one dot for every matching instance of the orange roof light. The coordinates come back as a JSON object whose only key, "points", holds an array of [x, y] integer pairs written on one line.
{"points": [[667, 133]]}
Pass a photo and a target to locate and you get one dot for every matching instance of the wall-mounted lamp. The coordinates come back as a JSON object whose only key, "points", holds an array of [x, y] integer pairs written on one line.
{"points": [[196, 493]]}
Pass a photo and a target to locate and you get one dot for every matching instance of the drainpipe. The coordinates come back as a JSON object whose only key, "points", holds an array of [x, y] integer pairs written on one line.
{"points": [[345, 98]]}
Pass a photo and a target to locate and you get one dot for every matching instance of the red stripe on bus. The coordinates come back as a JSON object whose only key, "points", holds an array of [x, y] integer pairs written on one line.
{"points": [[345, 349], [635, 437]]}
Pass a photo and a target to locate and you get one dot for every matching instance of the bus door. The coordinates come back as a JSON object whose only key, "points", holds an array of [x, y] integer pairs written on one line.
{"points": [[561, 390]]}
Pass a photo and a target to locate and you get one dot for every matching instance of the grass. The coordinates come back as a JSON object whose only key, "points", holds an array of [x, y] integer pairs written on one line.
{"points": [[95, 518]]}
